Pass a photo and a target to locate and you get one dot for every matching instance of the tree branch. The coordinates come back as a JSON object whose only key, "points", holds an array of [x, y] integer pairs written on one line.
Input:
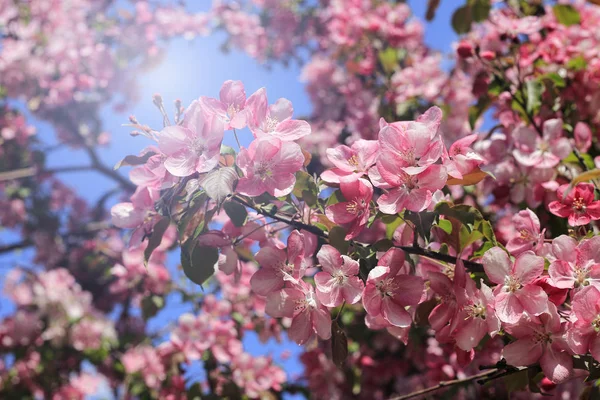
{"points": [[91, 227], [472, 266], [15, 246], [32, 171], [482, 377]]}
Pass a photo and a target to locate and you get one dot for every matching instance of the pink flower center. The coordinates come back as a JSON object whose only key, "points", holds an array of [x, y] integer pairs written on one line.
{"points": [[476, 311], [232, 110], [596, 324], [263, 170], [197, 147], [353, 161], [512, 284], [525, 234], [581, 276], [304, 304], [386, 287], [356, 207], [271, 124], [542, 337], [579, 204], [408, 156], [340, 278], [449, 271]]}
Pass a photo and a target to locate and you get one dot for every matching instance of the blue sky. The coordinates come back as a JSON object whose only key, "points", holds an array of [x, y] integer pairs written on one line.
{"points": [[189, 70]]}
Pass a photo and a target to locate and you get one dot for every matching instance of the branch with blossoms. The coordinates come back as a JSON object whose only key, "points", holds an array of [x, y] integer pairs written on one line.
{"points": [[429, 268], [194, 181]]}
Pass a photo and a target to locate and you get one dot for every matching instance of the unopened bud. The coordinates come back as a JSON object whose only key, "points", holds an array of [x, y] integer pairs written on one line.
{"points": [[464, 49]]}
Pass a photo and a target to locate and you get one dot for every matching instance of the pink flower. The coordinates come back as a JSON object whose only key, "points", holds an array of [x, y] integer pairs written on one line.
{"points": [[338, 281], [409, 147], [351, 162], [269, 166], [576, 266], [145, 360], [230, 106], [515, 292], [354, 213], [583, 137], [300, 303], [461, 159], [578, 205], [256, 375], [544, 152], [584, 335], [412, 192], [540, 339], [443, 316], [390, 290], [139, 215], [477, 316], [192, 335], [279, 266], [193, 146], [226, 343], [529, 236], [274, 121], [153, 174]]}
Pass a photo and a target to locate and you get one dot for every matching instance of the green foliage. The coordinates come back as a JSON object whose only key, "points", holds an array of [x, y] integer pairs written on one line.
{"points": [[236, 212], [534, 91], [306, 188], [388, 59], [462, 20], [339, 344], [156, 237], [480, 9], [566, 14], [198, 262], [337, 238], [134, 160]]}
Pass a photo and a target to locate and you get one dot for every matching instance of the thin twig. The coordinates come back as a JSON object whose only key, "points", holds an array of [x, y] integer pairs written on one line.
{"points": [[485, 376], [472, 266], [32, 171]]}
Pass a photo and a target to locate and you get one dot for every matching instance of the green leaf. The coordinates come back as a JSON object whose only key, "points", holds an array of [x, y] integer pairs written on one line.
{"points": [[134, 160], [423, 221], [156, 237], [445, 225], [534, 95], [392, 222], [306, 188], [476, 111], [337, 238], [432, 6], [480, 9], [555, 78], [220, 183], [236, 212], [467, 238], [388, 59], [566, 14], [516, 381], [483, 249], [587, 160], [336, 197], [151, 305], [339, 344], [198, 262], [462, 212], [577, 63], [462, 20], [383, 245]]}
